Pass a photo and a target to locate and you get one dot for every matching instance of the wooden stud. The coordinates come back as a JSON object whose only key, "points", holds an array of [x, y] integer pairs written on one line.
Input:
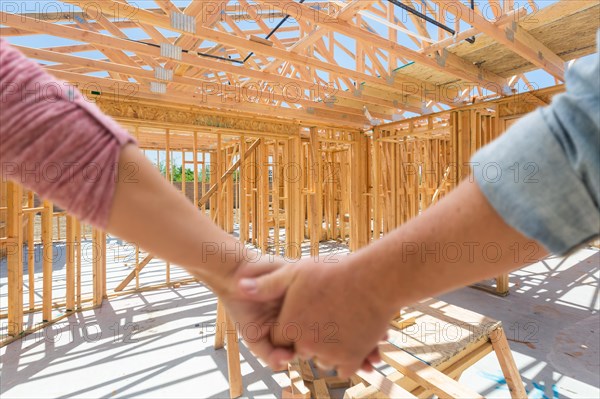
{"points": [[169, 177], [233, 360], [15, 259], [70, 264], [78, 263], [195, 161], [31, 250], [220, 327], [316, 217], [47, 261], [243, 191]]}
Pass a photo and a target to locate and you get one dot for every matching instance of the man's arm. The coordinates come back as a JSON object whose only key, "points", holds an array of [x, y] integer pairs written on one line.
{"points": [[545, 190], [459, 241], [342, 309]]}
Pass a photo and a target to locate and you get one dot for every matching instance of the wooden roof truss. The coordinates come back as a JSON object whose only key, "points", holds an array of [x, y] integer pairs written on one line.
{"points": [[349, 62]]}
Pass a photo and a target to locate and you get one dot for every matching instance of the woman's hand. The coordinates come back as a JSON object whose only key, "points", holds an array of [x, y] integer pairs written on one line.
{"points": [[256, 318]]}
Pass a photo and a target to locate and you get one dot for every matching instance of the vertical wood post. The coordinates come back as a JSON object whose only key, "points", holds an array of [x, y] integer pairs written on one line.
{"points": [[47, 261], [15, 258]]}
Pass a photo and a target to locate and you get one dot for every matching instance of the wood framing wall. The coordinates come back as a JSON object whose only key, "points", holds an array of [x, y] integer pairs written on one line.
{"points": [[287, 186], [28, 226], [415, 162]]}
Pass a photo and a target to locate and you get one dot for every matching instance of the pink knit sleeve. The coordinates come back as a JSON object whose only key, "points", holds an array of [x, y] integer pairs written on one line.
{"points": [[54, 141]]}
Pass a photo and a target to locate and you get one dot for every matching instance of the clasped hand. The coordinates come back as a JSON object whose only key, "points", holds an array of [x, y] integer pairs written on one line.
{"points": [[322, 310]]}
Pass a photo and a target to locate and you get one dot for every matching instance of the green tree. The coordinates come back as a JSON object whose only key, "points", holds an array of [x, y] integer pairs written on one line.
{"points": [[176, 173]]}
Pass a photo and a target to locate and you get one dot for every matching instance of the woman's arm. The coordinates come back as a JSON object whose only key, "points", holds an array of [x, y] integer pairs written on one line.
{"points": [[149, 211], [57, 143]]}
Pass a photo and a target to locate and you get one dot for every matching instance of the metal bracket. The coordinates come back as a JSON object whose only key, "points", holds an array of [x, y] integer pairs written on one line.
{"points": [[158, 87], [183, 22], [161, 73], [170, 51]]}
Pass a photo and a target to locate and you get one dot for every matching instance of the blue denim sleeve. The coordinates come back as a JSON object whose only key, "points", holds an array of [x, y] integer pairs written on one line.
{"points": [[543, 175]]}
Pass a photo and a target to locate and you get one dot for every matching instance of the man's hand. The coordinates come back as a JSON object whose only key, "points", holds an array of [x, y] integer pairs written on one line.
{"points": [[331, 311]]}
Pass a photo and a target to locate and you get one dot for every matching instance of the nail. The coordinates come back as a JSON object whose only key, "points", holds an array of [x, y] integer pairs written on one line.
{"points": [[249, 285]]}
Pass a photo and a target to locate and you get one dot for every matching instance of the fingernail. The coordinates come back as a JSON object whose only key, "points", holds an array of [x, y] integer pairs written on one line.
{"points": [[249, 285]]}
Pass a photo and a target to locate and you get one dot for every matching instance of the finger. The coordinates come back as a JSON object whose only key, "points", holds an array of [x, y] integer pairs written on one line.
{"points": [[323, 366], [268, 286], [348, 370], [262, 265], [366, 366], [274, 357], [374, 357], [303, 354], [280, 357]]}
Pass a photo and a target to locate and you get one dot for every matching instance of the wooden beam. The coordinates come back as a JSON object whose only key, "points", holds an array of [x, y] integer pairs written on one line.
{"points": [[133, 273], [70, 263], [500, 22], [15, 258], [217, 90], [191, 60], [514, 37], [47, 261], [385, 385], [507, 363], [124, 89], [234, 370], [426, 376], [115, 9], [448, 62]]}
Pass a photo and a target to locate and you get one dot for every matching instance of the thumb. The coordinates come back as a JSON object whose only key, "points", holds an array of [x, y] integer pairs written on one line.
{"points": [[269, 286]]}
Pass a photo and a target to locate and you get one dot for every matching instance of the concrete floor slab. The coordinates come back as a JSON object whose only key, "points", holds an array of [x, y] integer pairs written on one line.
{"points": [[158, 344]]}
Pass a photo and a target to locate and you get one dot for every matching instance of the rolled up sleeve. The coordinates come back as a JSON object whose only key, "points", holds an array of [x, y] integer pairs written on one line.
{"points": [[543, 175], [56, 142]]}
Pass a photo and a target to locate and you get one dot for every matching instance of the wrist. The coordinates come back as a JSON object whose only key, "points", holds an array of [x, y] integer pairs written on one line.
{"points": [[216, 265], [373, 283]]}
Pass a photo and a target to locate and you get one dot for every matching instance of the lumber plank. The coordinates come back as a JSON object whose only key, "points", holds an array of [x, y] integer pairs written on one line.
{"points": [[321, 391], [133, 273], [299, 389], [14, 259], [233, 360], [335, 382], [427, 376], [220, 326], [70, 264], [47, 261], [507, 363], [385, 385]]}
